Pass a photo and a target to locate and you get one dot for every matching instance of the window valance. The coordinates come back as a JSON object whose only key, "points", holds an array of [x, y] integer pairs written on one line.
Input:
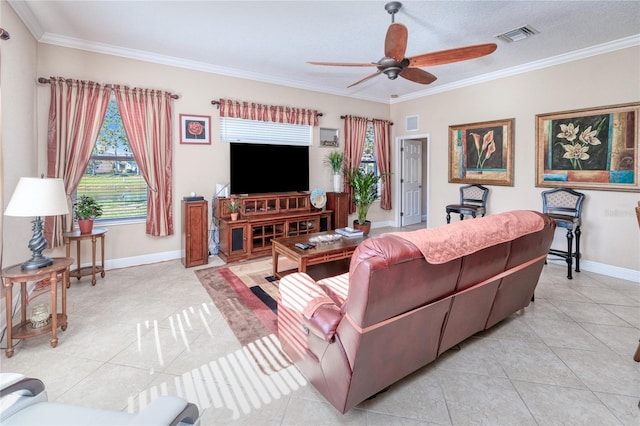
{"points": [[275, 113]]}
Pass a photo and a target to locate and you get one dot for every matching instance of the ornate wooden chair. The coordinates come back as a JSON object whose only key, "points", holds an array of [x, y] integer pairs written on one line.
{"points": [[564, 205], [473, 202]]}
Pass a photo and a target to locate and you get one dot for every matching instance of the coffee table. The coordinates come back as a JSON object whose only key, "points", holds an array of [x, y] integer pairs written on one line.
{"points": [[322, 253]]}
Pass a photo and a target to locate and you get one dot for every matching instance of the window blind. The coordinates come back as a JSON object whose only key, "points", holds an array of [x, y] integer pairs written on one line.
{"points": [[252, 131]]}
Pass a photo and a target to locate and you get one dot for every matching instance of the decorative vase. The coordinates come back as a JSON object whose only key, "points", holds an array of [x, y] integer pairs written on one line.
{"points": [[365, 227], [40, 315], [234, 216], [337, 182], [85, 225]]}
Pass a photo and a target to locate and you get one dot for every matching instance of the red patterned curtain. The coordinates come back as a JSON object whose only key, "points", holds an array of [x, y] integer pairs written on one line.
{"points": [[355, 129], [274, 113], [146, 115], [76, 113], [382, 135]]}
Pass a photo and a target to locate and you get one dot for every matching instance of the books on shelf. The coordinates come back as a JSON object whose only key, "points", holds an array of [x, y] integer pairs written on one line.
{"points": [[350, 232]]}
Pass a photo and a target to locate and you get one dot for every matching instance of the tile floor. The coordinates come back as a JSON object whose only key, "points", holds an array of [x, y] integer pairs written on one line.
{"points": [[151, 330]]}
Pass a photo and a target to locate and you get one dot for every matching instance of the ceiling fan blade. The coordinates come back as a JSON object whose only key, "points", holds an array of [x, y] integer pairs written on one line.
{"points": [[452, 55], [365, 79], [344, 64], [395, 43], [418, 76]]}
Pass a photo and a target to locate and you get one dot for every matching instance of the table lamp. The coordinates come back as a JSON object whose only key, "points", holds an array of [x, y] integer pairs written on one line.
{"points": [[38, 197]]}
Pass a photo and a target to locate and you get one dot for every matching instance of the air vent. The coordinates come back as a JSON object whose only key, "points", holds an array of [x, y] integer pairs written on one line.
{"points": [[412, 123], [518, 34]]}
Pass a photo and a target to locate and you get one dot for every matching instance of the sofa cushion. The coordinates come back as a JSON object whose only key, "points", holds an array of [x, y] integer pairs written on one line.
{"points": [[452, 241]]}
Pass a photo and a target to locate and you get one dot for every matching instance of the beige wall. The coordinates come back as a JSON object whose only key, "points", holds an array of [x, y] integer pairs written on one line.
{"points": [[19, 141], [610, 232], [197, 168]]}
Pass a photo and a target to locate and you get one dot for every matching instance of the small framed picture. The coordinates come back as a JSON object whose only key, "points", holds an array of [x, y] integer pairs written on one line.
{"points": [[329, 138], [195, 129]]}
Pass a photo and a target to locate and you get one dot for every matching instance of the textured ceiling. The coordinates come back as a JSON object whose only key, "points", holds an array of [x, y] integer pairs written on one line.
{"points": [[272, 40]]}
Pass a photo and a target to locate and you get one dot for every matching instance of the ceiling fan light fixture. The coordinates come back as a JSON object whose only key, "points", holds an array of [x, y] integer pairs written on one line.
{"points": [[392, 72]]}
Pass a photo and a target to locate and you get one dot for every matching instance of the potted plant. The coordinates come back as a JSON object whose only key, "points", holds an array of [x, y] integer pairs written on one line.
{"points": [[334, 160], [86, 209], [233, 204], [365, 192]]}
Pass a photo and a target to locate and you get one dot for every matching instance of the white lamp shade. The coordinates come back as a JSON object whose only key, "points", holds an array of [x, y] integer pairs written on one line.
{"points": [[38, 197]]}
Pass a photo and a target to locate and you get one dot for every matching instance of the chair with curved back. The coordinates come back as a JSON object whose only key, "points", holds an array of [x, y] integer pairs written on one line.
{"points": [[24, 401], [473, 202], [564, 205]]}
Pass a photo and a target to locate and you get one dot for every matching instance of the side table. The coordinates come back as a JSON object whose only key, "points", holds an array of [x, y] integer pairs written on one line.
{"points": [[78, 237], [58, 271]]}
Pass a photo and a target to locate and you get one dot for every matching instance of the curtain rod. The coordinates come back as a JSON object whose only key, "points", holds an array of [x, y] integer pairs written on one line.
{"points": [[217, 104], [368, 119], [46, 80]]}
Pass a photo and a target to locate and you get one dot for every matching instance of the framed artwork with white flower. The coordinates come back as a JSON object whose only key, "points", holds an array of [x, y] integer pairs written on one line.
{"points": [[195, 129], [594, 148], [482, 152]]}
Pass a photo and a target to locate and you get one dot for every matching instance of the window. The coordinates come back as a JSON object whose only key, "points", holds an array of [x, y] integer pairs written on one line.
{"points": [[112, 176], [369, 161], [241, 130]]}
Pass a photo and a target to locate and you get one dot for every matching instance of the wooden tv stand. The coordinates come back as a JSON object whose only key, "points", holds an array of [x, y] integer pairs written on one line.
{"points": [[263, 218]]}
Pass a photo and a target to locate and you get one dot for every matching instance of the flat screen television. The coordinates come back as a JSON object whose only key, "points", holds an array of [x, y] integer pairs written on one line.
{"points": [[264, 168]]}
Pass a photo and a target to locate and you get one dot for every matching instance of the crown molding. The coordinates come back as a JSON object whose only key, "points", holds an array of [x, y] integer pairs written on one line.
{"points": [[232, 72], [599, 49], [24, 13], [140, 55]]}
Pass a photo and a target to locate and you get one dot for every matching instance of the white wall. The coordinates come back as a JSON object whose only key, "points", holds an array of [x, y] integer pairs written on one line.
{"points": [[610, 232]]}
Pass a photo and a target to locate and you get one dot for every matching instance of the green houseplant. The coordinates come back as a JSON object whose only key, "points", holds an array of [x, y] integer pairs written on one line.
{"points": [[86, 209], [365, 192], [335, 160], [234, 205]]}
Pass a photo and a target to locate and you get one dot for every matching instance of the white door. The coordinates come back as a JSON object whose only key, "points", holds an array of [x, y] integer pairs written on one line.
{"points": [[411, 182]]}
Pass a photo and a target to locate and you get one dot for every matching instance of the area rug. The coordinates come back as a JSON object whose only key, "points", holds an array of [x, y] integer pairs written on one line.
{"points": [[245, 293]]}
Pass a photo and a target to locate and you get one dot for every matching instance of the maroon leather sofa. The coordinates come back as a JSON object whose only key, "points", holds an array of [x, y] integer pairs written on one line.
{"points": [[407, 298]]}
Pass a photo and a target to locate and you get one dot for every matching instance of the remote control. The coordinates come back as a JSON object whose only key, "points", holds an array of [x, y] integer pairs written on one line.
{"points": [[301, 246]]}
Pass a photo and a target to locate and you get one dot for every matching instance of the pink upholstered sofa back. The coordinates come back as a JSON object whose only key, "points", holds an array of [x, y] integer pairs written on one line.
{"points": [[401, 311]]}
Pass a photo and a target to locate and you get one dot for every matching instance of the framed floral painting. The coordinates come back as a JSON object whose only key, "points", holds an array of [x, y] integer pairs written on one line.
{"points": [[482, 153], [195, 129], [595, 148]]}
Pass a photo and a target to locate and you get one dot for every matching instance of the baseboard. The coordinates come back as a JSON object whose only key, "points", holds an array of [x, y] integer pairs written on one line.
{"points": [[587, 265], [603, 269], [378, 224], [125, 262]]}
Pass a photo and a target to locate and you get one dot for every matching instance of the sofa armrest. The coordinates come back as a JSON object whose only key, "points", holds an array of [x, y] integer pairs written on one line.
{"points": [[11, 382], [324, 321], [301, 293], [168, 410], [17, 393]]}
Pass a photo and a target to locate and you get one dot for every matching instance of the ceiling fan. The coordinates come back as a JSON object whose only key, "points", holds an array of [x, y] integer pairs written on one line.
{"points": [[395, 64]]}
